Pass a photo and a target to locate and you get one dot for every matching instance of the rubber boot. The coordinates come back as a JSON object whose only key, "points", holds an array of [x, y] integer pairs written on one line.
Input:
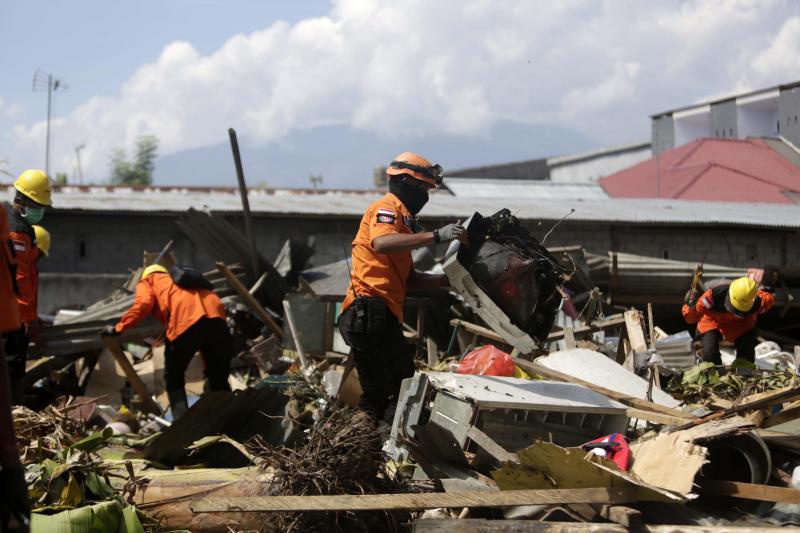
{"points": [[177, 402]]}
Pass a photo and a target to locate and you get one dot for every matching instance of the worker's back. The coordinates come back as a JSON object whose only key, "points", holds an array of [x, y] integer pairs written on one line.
{"points": [[176, 307]]}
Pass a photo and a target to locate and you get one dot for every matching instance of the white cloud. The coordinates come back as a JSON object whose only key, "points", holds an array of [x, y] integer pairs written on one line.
{"points": [[9, 110], [446, 66]]}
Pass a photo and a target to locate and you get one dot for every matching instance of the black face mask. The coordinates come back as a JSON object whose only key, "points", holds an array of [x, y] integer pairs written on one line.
{"points": [[413, 197]]}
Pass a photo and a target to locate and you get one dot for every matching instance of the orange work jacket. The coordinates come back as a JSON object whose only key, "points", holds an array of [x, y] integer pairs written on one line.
{"points": [[382, 275], [710, 313], [23, 239], [9, 308], [175, 307]]}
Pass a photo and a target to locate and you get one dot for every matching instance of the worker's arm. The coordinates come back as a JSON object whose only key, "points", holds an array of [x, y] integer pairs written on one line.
{"points": [[401, 242], [391, 242], [689, 304], [422, 281], [767, 301], [704, 304], [142, 307]]}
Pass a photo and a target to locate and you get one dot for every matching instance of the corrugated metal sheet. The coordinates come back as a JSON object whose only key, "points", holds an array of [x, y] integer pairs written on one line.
{"points": [[353, 204], [541, 190]]}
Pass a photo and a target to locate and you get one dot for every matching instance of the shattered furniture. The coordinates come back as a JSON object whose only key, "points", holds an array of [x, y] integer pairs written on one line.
{"points": [[511, 411]]}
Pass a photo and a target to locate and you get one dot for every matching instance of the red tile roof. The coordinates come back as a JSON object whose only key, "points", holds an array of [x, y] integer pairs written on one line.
{"points": [[710, 169]]}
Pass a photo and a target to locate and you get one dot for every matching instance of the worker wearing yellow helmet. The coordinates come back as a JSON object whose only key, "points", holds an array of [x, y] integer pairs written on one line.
{"points": [[372, 311], [32, 196], [729, 311]]}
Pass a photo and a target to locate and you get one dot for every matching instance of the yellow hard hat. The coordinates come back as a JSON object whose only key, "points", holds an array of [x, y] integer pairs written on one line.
{"points": [[35, 185], [42, 239], [742, 294], [152, 269]]}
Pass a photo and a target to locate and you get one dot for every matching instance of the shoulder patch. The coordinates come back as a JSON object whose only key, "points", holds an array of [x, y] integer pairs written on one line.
{"points": [[19, 246], [385, 216]]}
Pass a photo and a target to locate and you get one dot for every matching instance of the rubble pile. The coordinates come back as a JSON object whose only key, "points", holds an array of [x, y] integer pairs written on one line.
{"points": [[547, 391], [341, 456]]}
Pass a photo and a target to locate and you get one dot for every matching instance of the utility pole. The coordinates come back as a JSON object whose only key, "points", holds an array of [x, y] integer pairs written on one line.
{"points": [[315, 180], [43, 81], [78, 161]]}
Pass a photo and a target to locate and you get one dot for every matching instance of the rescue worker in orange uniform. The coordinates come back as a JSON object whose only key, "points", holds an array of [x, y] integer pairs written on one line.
{"points": [[194, 320], [33, 194], [372, 311], [13, 489], [728, 311]]}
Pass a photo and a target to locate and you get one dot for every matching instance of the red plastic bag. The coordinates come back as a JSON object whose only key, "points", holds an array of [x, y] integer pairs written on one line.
{"points": [[487, 361]]}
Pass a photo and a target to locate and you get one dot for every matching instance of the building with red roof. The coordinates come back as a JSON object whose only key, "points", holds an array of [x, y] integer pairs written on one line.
{"points": [[728, 170]]}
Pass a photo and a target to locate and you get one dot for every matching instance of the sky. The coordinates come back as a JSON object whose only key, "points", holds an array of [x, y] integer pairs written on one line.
{"points": [[397, 71]]}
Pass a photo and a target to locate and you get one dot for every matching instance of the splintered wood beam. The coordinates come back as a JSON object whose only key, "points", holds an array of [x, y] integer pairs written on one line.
{"points": [[148, 404], [549, 373], [750, 491], [428, 500], [249, 299]]}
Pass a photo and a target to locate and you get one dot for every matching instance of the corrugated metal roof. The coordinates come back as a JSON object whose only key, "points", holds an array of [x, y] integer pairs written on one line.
{"points": [[353, 204], [489, 188], [709, 170]]}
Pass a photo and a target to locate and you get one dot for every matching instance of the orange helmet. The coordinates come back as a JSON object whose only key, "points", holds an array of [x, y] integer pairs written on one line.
{"points": [[417, 167]]}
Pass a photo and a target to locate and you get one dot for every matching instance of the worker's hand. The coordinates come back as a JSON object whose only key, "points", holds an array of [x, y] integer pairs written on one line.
{"points": [[109, 331], [691, 297], [449, 233], [14, 506]]}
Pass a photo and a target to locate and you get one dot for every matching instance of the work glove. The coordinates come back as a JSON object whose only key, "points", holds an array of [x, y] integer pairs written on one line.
{"points": [[109, 331], [449, 233], [691, 297], [14, 506]]}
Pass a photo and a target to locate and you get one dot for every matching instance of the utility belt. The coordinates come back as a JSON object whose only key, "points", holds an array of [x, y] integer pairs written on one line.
{"points": [[365, 316]]}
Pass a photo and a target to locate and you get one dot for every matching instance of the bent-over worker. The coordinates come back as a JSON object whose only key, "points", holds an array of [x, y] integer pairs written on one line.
{"points": [[194, 320], [372, 311], [729, 311], [33, 194]]}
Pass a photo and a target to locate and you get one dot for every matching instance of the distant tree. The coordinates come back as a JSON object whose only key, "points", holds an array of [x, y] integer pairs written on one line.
{"points": [[60, 179], [315, 180], [139, 171]]}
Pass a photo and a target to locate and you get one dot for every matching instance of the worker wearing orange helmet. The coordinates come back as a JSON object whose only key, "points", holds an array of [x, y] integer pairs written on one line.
{"points": [[194, 319], [729, 311], [32, 196], [372, 311]]}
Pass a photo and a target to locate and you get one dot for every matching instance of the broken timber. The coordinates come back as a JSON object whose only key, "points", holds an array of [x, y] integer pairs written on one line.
{"points": [[427, 500], [596, 325], [148, 405], [637, 403], [435, 525], [249, 299], [750, 491]]}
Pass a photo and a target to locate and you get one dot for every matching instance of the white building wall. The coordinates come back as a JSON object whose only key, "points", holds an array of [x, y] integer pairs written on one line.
{"points": [[590, 170]]}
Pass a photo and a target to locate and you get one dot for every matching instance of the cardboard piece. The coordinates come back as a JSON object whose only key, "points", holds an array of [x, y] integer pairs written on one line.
{"points": [[547, 466]]}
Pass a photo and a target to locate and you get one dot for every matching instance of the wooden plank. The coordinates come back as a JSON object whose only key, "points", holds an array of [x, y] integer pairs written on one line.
{"points": [[750, 491], [298, 342], [781, 396], [485, 442], [656, 418], [633, 324], [596, 325], [249, 299], [786, 415], [569, 338], [478, 330], [623, 515], [482, 525], [148, 404], [549, 373], [427, 500]]}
